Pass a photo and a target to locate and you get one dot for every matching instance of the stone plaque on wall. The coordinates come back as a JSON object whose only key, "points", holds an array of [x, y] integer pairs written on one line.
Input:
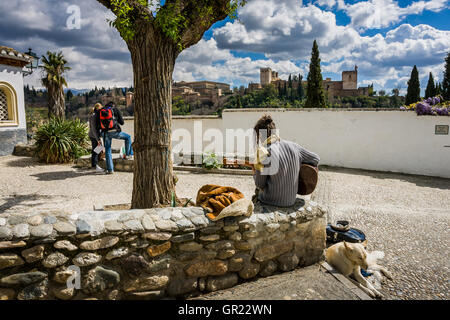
{"points": [[441, 129]]}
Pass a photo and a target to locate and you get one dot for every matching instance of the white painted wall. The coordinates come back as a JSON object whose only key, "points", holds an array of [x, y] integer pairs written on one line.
{"points": [[385, 140], [13, 76], [396, 141]]}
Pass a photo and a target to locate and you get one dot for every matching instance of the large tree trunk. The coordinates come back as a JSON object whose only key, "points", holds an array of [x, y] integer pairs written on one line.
{"points": [[56, 102], [153, 61]]}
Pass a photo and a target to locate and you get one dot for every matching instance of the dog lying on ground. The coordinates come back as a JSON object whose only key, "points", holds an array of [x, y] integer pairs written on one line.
{"points": [[348, 258]]}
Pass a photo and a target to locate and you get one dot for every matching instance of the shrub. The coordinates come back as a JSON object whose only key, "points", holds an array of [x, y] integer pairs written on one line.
{"points": [[211, 161], [61, 141], [433, 106]]}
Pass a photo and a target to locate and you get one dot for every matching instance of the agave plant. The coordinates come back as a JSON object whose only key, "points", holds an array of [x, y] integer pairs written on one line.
{"points": [[61, 141]]}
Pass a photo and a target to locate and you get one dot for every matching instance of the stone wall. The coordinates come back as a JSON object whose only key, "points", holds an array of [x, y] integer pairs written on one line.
{"points": [[24, 150], [9, 138], [152, 253]]}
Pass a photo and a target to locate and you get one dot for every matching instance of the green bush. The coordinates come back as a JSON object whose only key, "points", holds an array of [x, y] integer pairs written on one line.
{"points": [[211, 161], [61, 141]]}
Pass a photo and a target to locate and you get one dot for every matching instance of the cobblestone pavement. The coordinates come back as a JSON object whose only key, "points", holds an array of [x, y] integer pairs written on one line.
{"points": [[407, 217]]}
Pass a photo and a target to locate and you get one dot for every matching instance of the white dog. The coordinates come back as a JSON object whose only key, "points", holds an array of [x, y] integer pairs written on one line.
{"points": [[348, 258]]}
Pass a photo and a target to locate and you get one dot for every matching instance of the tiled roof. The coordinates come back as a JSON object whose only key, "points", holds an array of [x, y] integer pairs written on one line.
{"points": [[10, 53]]}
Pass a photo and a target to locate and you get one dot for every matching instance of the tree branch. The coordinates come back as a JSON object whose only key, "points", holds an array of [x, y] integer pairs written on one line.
{"points": [[198, 19], [106, 3], [133, 3]]}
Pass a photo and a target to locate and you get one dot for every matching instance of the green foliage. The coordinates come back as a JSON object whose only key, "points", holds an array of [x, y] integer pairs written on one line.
{"points": [[300, 89], [34, 116], [315, 97], [61, 141], [69, 95], [384, 101], [269, 97], [126, 17], [180, 107], [54, 66], [430, 91], [413, 93], [172, 18], [446, 81], [210, 161]]}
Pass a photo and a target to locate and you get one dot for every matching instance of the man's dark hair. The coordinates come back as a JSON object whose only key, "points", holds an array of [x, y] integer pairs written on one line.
{"points": [[264, 123], [110, 104]]}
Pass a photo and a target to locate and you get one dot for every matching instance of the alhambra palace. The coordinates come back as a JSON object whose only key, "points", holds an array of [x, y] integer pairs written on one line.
{"points": [[348, 86], [211, 93]]}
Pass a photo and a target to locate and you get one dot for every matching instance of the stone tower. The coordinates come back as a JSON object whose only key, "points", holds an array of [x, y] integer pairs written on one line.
{"points": [[265, 76], [350, 79]]}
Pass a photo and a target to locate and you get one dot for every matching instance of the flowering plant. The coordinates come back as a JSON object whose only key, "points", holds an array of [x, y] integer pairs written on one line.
{"points": [[434, 106]]}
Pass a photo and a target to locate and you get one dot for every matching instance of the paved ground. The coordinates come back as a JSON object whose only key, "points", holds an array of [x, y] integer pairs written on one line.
{"points": [[310, 283], [407, 217]]}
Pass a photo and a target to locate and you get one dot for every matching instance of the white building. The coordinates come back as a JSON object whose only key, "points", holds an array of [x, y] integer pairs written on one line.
{"points": [[13, 127]]}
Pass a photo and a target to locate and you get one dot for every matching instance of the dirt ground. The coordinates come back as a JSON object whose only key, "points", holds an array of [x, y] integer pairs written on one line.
{"points": [[407, 217]]}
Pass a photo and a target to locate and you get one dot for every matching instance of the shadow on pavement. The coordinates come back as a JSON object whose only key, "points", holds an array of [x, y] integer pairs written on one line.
{"points": [[419, 180], [23, 162], [20, 199], [63, 175]]}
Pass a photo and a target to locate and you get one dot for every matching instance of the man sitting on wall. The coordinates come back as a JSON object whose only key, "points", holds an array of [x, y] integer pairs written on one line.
{"points": [[277, 167], [108, 122]]}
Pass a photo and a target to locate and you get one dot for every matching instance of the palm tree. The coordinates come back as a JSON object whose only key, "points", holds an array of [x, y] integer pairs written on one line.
{"points": [[54, 66]]}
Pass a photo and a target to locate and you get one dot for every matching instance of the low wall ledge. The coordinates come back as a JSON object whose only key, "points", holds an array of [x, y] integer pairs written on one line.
{"points": [[151, 254], [53, 224]]}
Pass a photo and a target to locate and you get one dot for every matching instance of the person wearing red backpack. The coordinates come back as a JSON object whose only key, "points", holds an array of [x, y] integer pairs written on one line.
{"points": [[109, 121]]}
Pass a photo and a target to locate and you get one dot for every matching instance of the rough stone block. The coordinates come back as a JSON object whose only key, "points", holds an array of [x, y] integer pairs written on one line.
{"points": [[157, 250], [288, 261], [54, 260], [100, 279], [8, 260], [190, 246], [35, 291], [146, 283], [98, 244], [272, 251], [221, 282], [181, 286], [268, 268], [86, 259], [33, 254], [249, 270], [12, 244], [207, 268]]}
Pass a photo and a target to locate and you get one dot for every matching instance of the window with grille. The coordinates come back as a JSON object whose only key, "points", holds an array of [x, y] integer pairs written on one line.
{"points": [[3, 106]]}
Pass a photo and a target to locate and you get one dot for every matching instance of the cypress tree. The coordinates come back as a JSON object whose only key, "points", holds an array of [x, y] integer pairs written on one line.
{"points": [[446, 81], [438, 88], [413, 93], [315, 96], [430, 91], [239, 102], [300, 90]]}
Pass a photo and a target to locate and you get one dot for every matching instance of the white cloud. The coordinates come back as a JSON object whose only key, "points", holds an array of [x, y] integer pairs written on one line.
{"points": [[384, 60], [376, 14], [281, 32], [206, 61]]}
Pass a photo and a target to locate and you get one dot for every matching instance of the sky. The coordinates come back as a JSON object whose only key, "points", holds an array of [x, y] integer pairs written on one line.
{"points": [[384, 38]]}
